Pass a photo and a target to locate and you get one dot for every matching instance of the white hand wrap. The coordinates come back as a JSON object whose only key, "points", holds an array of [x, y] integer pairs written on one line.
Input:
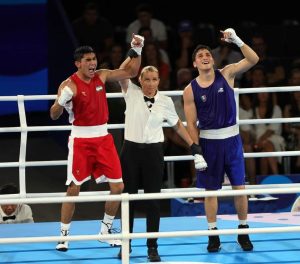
{"points": [[200, 163], [65, 96], [137, 47], [233, 38]]}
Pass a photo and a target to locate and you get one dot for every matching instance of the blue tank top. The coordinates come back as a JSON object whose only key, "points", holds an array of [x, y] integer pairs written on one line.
{"points": [[216, 107]]}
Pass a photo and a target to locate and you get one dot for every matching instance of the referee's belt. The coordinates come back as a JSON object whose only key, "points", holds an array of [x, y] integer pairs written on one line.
{"points": [[143, 145]]}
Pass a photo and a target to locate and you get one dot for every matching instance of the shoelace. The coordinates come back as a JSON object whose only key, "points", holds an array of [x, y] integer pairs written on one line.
{"points": [[110, 229], [64, 232]]}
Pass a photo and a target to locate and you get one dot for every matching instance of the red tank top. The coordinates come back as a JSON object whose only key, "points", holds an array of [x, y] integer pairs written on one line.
{"points": [[90, 103]]}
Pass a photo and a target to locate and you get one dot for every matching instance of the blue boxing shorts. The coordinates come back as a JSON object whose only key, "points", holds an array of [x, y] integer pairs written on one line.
{"points": [[222, 156]]}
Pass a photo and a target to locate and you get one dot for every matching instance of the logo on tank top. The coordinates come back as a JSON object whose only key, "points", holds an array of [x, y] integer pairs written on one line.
{"points": [[203, 98], [99, 88], [221, 90]]}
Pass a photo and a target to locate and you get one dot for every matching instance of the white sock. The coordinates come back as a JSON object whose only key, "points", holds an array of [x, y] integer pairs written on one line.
{"points": [[212, 225], [243, 222], [107, 223], [64, 229]]}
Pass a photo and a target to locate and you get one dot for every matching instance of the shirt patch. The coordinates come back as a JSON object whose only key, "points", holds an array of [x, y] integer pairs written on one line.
{"points": [[99, 88], [203, 98], [221, 90]]}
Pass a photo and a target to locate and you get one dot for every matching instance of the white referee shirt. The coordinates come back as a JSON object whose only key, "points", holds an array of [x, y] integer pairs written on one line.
{"points": [[143, 125], [23, 214]]}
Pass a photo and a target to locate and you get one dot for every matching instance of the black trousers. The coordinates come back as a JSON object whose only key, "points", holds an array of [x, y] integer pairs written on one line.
{"points": [[143, 165]]}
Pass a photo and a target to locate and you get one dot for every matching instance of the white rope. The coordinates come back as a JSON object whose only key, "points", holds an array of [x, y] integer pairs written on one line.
{"points": [[246, 155], [169, 93], [272, 154], [268, 120], [184, 190], [166, 158], [4, 199], [288, 229], [49, 128], [267, 89], [118, 126]]}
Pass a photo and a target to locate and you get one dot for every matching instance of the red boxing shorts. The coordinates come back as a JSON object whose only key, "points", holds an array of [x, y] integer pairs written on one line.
{"points": [[96, 156]]}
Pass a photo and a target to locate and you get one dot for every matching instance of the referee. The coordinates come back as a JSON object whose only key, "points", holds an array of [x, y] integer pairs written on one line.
{"points": [[142, 157]]}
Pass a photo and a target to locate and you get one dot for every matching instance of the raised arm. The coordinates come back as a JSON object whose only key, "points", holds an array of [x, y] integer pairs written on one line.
{"points": [[251, 58], [129, 69], [124, 83]]}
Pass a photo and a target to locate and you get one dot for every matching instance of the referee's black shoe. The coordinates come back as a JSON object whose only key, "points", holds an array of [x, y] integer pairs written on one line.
{"points": [[153, 255], [120, 252]]}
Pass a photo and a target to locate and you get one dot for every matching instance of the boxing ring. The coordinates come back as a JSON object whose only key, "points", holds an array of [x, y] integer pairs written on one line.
{"points": [[276, 237]]}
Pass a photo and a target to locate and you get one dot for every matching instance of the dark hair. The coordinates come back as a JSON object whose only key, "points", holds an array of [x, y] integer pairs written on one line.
{"points": [[80, 51], [270, 106], [91, 6], [9, 188], [144, 7], [199, 47], [143, 29]]}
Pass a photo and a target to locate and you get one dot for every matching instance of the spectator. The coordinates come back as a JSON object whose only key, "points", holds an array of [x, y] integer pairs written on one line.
{"points": [[268, 136], [259, 79], [14, 213], [146, 32], [115, 58], [274, 69], [144, 19], [186, 44], [152, 56], [94, 30], [292, 130]]}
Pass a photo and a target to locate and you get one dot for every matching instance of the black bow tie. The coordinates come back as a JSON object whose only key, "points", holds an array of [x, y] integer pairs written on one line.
{"points": [[12, 217], [147, 99]]}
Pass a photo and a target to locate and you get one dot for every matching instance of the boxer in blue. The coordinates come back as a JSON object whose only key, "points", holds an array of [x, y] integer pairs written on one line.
{"points": [[209, 99]]}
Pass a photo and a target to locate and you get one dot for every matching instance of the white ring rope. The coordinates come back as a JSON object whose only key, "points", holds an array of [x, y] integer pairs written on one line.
{"points": [[117, 126], [24, 197], [170, 93], [153, 235], [185, 190], [166, 158], [147, 196]]}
